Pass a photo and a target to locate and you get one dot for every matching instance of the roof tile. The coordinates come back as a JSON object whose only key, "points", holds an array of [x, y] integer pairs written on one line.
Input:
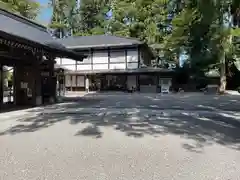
{"points": [[82, 42]]}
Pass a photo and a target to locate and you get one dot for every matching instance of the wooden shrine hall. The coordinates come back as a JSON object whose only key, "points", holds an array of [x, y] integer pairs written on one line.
{"points": [[30, 50]]}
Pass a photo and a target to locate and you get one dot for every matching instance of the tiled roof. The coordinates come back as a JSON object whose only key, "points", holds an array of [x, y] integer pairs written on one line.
{"points": [[96, 41], [21, 27]]}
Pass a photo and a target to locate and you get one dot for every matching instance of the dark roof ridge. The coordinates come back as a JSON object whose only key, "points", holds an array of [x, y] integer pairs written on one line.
{"points": [[127, 37], [23, 19], [112, 35]]}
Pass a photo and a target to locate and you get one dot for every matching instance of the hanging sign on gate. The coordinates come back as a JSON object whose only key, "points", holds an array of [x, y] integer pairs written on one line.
{"points": [[29, 92]]}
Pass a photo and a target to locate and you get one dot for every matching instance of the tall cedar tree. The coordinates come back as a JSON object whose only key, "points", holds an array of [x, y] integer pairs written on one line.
{"points": [[142, 19], [64, 18], [93, 17]]}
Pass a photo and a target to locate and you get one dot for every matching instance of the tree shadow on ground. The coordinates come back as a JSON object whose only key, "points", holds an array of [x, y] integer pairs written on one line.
{"points": [[90, 130], [204, 128]]}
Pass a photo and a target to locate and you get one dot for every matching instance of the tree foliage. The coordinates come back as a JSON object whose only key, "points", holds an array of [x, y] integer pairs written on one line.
{"points": [[203, 29], [146, 20], [93, 16], [64, 17], [88, 19], [26, 8]]}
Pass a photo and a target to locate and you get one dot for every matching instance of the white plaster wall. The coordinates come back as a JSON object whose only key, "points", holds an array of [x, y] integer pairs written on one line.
{"points": [[58, 61], [84, 67], [85, 60], [68, 61], [131, 82], [100, 57], [132, 56], [132, 65], [100, 66], [100, 61], [69, 67], [118, 66], [65, 63], [117, 56]]}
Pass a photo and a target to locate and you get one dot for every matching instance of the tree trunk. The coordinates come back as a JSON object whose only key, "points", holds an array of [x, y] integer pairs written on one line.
{"points": [[223, 78], [224, 49]]}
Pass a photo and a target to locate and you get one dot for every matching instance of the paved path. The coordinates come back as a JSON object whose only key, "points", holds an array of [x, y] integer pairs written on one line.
{"points": [[109, 136]]}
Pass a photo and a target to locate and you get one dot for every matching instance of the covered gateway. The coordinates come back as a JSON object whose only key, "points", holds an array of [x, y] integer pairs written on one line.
{"points": [[30, 50]]}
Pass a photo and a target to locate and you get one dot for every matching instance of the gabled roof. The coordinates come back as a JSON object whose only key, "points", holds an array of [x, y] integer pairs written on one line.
{"points": [[98, 41], [19, 26], [23, 28]]}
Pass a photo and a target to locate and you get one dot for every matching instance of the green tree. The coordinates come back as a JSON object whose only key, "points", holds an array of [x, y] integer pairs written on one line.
{"points": [[59, 21], [89, 19], [26, 8], [93, 17], [145, 20], [200, 29]]}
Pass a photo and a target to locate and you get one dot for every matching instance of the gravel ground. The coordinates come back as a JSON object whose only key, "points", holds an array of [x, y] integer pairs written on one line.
{"points": [[109, 136]]}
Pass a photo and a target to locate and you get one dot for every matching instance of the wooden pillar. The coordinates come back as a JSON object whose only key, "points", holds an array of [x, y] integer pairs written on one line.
{"points": [[138, 82], [157, 82], [14, 85], [70, 75], [53, 82], [37, 86], [20, 92]]}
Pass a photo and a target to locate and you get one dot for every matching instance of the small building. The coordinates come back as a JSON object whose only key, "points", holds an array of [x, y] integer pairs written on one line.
{"points": [[113, 64], [30, 50]]}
